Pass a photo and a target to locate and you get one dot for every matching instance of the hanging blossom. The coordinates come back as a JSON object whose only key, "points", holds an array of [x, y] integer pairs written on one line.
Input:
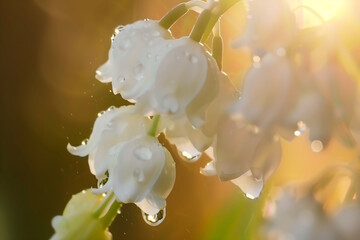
{"points": [[302, 217], [176, 78], [78, 220], [265, 20], [295, 83], [132, 164]]}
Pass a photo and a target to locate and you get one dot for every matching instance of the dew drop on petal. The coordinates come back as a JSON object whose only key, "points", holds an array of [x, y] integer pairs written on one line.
{"points": [[118, 211], [189, 157], [124, 44], [138, 175], [156, 219], [193, 59], [101, 113], [118, 29], [156, 33], [143, 153], [317, 146], [111, 108], [170, 104], [85, 141], [249, 196], [139, 72]]}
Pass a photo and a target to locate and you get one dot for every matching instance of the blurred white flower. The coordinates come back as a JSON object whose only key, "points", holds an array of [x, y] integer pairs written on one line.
{"points": [[347, 221], [270, 26], [267, 93], [299, 219], [78, 220]]}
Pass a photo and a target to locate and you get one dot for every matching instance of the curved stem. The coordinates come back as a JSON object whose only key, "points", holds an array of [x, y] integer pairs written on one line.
{"points": [[111, 214], [322, 20], [218, 11], [180, 10], [217, 45], [155, 123]]}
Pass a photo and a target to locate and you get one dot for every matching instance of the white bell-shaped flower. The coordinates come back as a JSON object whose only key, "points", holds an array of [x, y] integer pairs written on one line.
{"points": [[184, 78], [142, 170], [299, 218], [268, 92], [111, 130], [125, 66], [266, 19]]}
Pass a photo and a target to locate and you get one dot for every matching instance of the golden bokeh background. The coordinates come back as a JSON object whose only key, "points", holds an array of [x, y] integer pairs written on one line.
{"points": [[49, 52]]}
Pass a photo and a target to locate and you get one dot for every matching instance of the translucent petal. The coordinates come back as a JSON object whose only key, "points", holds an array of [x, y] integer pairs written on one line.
{"points": [[137, 169], [251, 186]]}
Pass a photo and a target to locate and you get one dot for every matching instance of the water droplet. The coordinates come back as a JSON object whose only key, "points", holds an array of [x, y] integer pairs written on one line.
{"points": [[138, 175], [85, 141], [118, 211], [188, 157], [297, 133], [118, 29], [148, 55], [249, 196], [111, 108], [101, 113], [124, 44], [83, 191], [209, 169], [193, 59], [156, 33], [317, 146], [154, 220], [170, 104], [139, 72], [104, 194], [143, 153], [146, 20], [104, 180]]}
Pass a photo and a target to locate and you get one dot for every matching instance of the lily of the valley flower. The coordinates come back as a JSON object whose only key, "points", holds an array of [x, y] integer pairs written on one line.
{"points": [[142, 170], [130, 43], [78, 220], [266, 19], [112, 129], [299, 219], [139, 169], [184, 80]]}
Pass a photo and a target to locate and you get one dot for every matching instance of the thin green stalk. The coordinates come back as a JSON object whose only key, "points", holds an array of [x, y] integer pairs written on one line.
{"points": [[218, 12], [173, 15], [155, 123], [111, 214]]}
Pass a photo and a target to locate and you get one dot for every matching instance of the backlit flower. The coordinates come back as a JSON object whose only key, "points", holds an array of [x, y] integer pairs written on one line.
{"points": [[78, 220]]}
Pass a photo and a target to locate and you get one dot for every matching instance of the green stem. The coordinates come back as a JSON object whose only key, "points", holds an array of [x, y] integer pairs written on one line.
{"points": [[104, 204], [173, 15], [111, 214], [155, 123], [201, 25], [217, 46], [224, 6]]}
